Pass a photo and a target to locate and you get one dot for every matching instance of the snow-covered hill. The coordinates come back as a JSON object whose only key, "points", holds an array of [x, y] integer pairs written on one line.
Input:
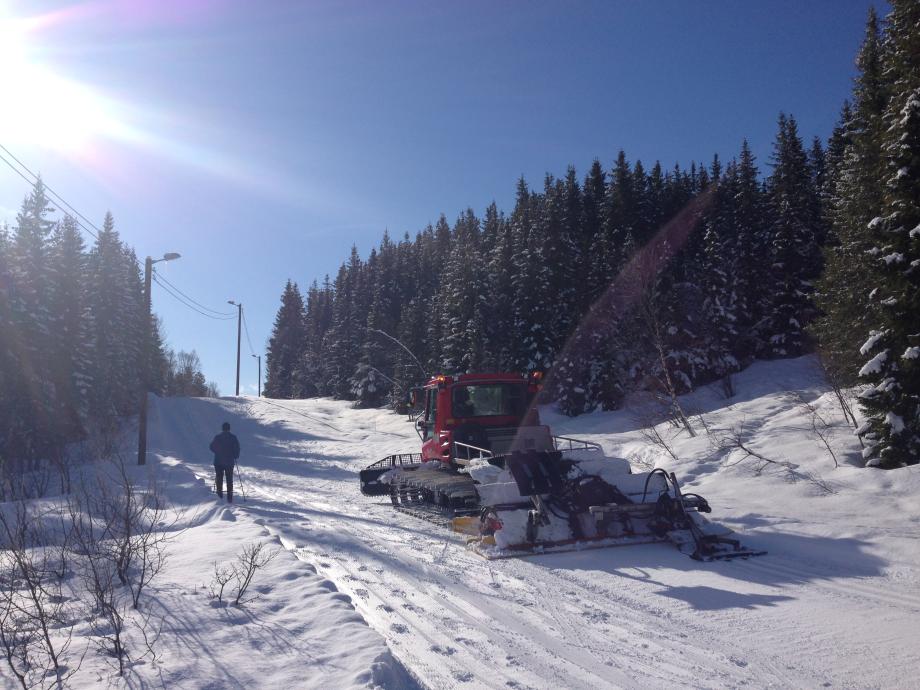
{"points": [[834, 603]]}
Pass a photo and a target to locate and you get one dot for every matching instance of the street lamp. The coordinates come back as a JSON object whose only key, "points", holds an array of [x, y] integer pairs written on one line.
{"points": [[259, 385], [145, 354], [239, 325]]}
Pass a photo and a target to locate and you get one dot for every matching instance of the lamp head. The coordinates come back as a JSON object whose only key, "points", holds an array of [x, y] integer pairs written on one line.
{"points": [[171, 256]]}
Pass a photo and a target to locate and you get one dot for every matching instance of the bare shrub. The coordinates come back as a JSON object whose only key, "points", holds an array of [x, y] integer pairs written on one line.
{"points": [[117, 530], [649, 416], [637, 460], [129, 518], [732, 441], [651, 434], [223, 575], [820, 426], [35, 628], [252, 558], [835, 379]]}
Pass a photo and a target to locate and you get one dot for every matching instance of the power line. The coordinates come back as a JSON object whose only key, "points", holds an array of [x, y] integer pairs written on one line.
{"points": [[51, 192], [190, 299], [187, 304], [171, 289], [248, 340], [32, 183], [181, 300]]}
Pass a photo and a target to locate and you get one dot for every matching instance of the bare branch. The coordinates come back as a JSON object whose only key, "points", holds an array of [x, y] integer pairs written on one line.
{"points": [[732, 441]]}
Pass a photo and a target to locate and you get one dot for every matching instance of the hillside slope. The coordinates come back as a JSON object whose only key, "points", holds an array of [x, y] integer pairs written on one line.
{"points": [[834, 602]]}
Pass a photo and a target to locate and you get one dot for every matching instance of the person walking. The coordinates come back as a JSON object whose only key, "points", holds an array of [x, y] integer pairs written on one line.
{"points": [[226, 449]]}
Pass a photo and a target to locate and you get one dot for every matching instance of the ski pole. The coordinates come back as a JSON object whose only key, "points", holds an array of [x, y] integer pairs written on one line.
{"points": [[240, 475]]}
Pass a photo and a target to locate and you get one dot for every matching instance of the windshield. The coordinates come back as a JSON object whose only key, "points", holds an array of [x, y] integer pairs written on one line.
{"points": [[489, 400]]}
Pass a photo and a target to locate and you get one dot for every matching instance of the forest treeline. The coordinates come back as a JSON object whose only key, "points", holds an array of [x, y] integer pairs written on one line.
{"points": [[72, 338], [635, 278]]}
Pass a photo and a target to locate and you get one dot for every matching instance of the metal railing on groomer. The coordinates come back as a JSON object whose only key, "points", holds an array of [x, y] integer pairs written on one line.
{"points": [[466, 451], [566, 443]]}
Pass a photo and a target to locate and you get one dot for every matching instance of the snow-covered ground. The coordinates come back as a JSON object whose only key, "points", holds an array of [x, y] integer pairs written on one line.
{"points": [[834, 603], [836, 600]]}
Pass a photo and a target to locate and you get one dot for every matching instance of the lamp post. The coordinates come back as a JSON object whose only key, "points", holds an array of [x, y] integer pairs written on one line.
{"points": [[239, 325], [259, 384], [145, 354]]}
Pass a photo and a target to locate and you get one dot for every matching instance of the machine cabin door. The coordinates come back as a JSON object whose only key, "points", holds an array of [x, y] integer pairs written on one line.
{"points": [[430, 447]]}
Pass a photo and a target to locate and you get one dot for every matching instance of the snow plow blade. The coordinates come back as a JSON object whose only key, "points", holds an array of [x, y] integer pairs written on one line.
{"points": [[371, 485]]}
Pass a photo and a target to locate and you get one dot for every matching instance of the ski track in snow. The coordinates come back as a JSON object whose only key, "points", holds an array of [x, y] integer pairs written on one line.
{"points": [[640, 616]]}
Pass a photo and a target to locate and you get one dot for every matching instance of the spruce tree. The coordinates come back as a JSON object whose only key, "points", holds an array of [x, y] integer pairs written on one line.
{"points": [[286, 344], [495, 299], [9, 374], [373, 377], [719, 285], [795, 251], [344, 343], [34, 398], [566, 254], [892, 401], [593, 275], [460, 309], [68, 350], [532, 285], [855, 198]]}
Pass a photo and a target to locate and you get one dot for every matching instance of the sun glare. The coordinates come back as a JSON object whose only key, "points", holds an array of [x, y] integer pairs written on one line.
{"points": [[44, 108]]}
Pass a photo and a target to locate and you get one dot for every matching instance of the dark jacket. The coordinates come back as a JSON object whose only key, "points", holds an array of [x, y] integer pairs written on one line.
{"points": [[226, 449]]}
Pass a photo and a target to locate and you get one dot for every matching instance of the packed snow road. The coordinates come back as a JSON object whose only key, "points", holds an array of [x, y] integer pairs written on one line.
{"points": [[816, 611]]}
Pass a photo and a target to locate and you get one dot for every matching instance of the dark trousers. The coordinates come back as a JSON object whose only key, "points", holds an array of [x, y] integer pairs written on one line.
{"points": [[220, 471]]}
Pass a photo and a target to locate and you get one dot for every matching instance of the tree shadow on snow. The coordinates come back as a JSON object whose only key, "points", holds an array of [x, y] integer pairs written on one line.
{"points": [[791, 559]]}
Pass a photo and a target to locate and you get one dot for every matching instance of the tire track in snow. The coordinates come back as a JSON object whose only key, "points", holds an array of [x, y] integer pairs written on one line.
{"points": [[456, 650], [598, 659], [567, 621], [536, 652]]}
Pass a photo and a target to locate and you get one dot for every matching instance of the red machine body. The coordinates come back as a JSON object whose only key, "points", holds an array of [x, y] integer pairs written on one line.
{"points": [[478, 403]]}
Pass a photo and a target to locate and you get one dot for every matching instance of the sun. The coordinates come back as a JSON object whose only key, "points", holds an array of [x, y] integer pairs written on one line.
{"points": [[42, 107]]}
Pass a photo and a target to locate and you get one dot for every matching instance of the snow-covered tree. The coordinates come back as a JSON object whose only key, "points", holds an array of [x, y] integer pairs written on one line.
{"points": [[794, 245], [286, 344], [854, 197], [892, 400]]}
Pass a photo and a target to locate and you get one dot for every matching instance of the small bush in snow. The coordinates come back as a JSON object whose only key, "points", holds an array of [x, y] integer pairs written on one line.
{"points": [[35, 621], [239, 575]]}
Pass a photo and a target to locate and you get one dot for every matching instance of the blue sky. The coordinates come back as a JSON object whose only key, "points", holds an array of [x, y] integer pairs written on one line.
{"points": [[261, 140]]}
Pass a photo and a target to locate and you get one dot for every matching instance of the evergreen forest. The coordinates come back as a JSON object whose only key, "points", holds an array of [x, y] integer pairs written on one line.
{"points": [[634, 277], [72, 353]]}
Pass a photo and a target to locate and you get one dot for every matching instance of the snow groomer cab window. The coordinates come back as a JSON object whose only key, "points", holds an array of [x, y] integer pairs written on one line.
{"points": [[488, 400]]}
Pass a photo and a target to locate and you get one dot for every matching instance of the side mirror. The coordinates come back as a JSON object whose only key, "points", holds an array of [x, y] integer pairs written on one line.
{"points": [[421, 424], [414, 396]]}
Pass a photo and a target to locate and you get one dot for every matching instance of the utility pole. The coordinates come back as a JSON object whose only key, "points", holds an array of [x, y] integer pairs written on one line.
{"points": [[239, 326], [259, 385], [145, 355]]}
